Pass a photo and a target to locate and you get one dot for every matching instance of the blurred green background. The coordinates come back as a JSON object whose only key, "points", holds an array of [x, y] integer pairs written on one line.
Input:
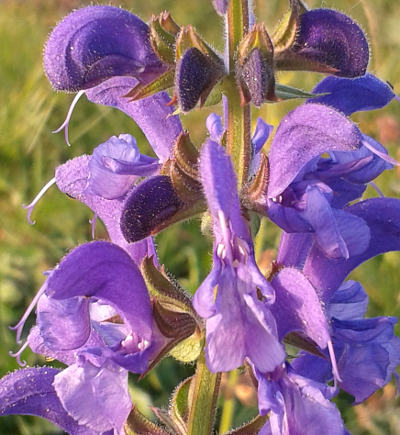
{"points": [[29, 153]]}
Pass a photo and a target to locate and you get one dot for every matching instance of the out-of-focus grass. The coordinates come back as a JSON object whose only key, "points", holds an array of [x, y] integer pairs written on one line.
{"points": [[29, 110]]}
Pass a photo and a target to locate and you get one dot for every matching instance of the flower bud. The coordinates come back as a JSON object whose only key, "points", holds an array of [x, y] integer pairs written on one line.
{"points": [[198, 69], [255, 70]]}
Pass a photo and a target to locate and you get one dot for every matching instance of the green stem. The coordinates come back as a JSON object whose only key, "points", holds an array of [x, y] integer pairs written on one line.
{"points": [[204, 395], [229, 404], [239, 122]]}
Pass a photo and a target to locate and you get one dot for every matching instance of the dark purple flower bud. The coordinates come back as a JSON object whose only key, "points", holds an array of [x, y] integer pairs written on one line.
{"points": [[349, 96], [96, 43], [258, 78], [148, 206], [332, 39], [221, 6], [193, 78]]}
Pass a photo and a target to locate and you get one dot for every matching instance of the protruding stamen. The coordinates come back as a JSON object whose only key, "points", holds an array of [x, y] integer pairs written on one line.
{"points": [[93, 223], [31, 206], [376, 187], [335, 370], [380, 154], [17, 355], [65, 124], [221, 251], [20, 325]]}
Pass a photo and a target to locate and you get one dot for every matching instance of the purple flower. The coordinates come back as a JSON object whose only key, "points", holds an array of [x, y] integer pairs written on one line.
{"points": [[96, 43], [235, 297], [296, 404], [94, 284], [367, 350], [115, 165]]}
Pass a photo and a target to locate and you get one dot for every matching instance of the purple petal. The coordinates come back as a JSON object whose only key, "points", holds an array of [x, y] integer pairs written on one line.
{"points": [[148, 205], [382, 215], [305, 133], [349, 302], [95, 397], [353, 95], [220, 187], [153, 116], [370, 357], [221, 6], [30, 392], [298, 307], [95, 43], [115, 165], [215, 127], [105, 271], [261, 135], [297, 406], [55, 317], [333, 39], [72, 178]]}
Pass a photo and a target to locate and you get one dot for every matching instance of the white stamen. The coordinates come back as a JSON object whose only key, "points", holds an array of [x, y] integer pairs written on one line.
{"points": [[144, 344], [93, 223], [31, 206], [380, 154], [20, 325], [221, 251], [375, 186], [277, 199], [68, 118], [335, 370]]}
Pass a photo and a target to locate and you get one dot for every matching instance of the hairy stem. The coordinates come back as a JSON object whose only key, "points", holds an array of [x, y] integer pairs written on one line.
{"points": [[239, 121], [204, 391], [229, 403]]}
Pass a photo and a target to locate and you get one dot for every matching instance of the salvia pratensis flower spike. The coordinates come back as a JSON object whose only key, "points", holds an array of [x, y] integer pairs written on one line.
{"points": [[96, 43]]}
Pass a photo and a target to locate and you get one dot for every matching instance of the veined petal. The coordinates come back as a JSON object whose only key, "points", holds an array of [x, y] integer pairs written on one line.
{"points": [[382, 215], [105, 271], [349, 302], [95, 397], [30, 391], [298, 307], [305, 133], [64, 324], [153, 115], [95, 43], [353, 95], [115, 165]]}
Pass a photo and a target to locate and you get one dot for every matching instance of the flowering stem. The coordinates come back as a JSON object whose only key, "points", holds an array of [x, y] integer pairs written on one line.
{"points": [[238, 128], [229, 403], [204, 399]]}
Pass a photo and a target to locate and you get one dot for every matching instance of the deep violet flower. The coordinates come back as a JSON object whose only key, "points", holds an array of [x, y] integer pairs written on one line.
{"points": [[94, 284], [296, 404], [95, 43], [239, 325], [367, 350], [307, 191]]}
